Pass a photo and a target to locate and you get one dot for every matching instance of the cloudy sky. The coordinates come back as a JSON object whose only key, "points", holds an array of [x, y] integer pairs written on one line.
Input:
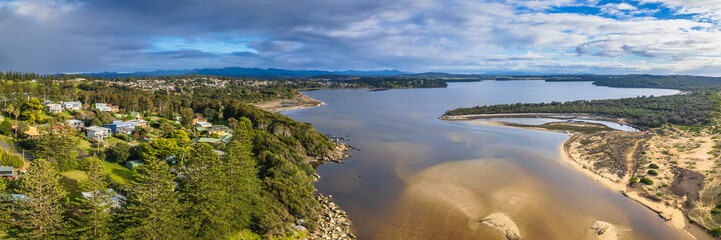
{"points": [[459, 36]]}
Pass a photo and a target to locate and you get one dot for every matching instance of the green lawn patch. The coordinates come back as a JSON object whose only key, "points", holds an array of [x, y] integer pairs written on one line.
{"points": [[71, 181], [118, 173]]}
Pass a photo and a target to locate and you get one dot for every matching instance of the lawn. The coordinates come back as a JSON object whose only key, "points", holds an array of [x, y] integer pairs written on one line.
{"points": [[111, 141], [71, 181], [6, 139], [85, 146], [118, 173]]}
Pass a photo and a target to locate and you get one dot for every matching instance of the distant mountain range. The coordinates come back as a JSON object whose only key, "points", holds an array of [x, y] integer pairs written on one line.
{"points": [[246, 72]]}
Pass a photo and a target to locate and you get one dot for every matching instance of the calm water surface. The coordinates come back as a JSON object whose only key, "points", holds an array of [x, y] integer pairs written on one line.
{"points": [[417, 177]]}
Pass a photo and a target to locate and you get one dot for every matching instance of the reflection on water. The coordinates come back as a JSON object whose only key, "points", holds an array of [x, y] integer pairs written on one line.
{"points": [[417, 177]]}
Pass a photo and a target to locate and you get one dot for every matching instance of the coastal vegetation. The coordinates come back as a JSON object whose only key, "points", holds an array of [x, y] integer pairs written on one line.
{"points": [[644, 111], [255, 184]]}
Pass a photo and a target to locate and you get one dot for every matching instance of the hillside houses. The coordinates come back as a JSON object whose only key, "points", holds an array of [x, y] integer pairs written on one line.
{"points": [[121, 127], [76, 124], [54, 107], [72, 105], [106, 107], [98, 133]]}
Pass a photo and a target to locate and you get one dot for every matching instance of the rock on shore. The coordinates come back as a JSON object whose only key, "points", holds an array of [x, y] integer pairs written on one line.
{"points": [[504, 224], [340, 152], [333, 223], [604, 230]]}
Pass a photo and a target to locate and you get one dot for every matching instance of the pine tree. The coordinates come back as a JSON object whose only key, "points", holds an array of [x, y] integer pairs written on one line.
{"points": [[152, 208], [41, 213], [243, 183], [209, 214], [94, 211]]}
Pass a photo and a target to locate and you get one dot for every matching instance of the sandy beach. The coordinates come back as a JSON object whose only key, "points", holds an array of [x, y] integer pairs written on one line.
{"points": [[300, 101], [673, 216]]}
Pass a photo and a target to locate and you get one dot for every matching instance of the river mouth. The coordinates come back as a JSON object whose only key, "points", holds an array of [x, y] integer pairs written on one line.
{"points": [[417, 177]]}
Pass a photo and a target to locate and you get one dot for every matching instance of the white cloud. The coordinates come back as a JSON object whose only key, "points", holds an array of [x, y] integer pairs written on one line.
{"points": [[429, 35]]}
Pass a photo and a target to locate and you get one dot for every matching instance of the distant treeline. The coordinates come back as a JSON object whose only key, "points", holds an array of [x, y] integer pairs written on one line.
{"points": [[398, 82], [686, 109]]}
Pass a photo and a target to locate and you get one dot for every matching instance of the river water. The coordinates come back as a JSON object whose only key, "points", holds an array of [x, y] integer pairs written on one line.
{"points": [[417, 177]]}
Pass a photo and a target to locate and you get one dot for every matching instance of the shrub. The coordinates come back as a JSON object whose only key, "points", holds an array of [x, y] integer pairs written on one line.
{"points": [[633, 180], [715, 232], [653, 166], [9, 159], [715, 211], [646, 181], [652, 172], [659, 194]]}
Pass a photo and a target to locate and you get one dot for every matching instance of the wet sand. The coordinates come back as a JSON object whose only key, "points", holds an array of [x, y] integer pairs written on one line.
{"points": [[300, 101]]}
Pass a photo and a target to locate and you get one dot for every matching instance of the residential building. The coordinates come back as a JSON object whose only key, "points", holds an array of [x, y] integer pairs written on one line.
{"points": [[76, 124], [133, 164], [32, 133], [136, 115], [121, 127], [98, 133], [103, 107], [203, 124], [54, 107], [7, 172], [72, 105], [198, 119], [114, 200], [220, 130], [139, 123], [222, 139]]}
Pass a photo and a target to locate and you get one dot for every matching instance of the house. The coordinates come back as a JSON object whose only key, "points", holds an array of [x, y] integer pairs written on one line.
{"points": [[114, 108], [103, 107], [32, 133], [203, 124], [220, 130], [136, 115], [98, 133], [76, 124], [46, 102], [7, 172], [121, 127], [139, 123], [72, 105], [2, 118], [54, 107], [198, 119], [223, 139], [114, 199], [133, 164]]}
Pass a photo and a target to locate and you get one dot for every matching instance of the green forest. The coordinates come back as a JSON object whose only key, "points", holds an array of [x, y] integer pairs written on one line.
{"points": [[260, 183], [685, 109]]}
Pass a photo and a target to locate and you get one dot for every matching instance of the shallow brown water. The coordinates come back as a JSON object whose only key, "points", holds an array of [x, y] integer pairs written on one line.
{"points": [[416, 177]]}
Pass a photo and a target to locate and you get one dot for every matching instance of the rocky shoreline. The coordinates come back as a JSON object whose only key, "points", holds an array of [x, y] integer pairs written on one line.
{"points": [[333, 222], [339, 153]]}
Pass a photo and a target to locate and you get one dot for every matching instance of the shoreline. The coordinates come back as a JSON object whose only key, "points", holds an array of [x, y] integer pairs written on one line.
{"points": [[673, 216], [668, 213], [559, 116], [299, 101]]}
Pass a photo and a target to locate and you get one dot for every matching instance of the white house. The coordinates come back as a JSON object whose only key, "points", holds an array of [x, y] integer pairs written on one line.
{"points": [[103, 107], [98, 133], [76, 124], [72, 105], [54, 107]]}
